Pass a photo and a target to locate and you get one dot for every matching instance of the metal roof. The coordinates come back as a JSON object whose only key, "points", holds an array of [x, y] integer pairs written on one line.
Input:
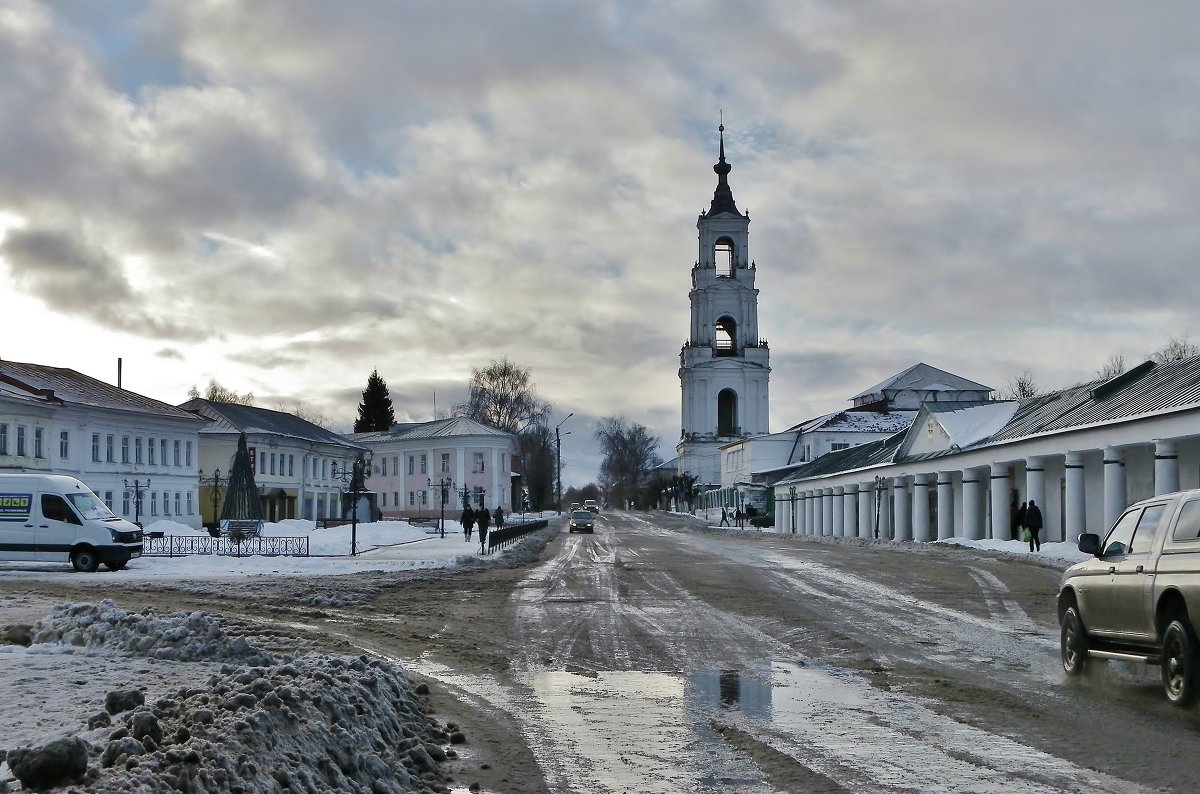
{"points": [[235, 418], [438, 428], [74, 388], [922, 377], [860, 457]]}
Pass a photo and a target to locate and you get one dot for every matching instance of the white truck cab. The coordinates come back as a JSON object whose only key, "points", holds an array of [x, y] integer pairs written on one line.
{"points": [[56, 518]]}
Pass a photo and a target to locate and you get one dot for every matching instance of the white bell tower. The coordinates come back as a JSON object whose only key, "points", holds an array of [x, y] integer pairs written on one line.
{"points": [[723, 367]]}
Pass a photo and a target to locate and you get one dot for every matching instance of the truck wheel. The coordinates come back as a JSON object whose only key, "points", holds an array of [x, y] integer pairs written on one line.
{"points": [[1073, 643], [1179, 664], [85, 560], [114, 566]]}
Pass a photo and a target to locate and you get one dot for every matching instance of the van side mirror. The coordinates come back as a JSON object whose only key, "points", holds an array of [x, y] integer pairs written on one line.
{"points": [[1089, 543]]}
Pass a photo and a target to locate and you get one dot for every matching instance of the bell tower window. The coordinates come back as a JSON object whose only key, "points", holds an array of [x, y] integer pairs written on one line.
{"points": [[723, 257], [726, 336], [727, 413]]}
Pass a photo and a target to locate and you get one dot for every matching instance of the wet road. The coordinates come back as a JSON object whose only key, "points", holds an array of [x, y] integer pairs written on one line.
{"points": [[656, 658]]}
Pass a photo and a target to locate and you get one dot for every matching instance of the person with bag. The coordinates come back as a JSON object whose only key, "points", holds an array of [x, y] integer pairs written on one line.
{"points": [[1033, 525], [1019, 523], [498, 516]]}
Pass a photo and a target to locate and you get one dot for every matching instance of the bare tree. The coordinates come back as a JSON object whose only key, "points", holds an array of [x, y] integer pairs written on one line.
{"points": [[1020, 387], [536, 443], [503, 396], [1112, 368], [1176, 348], [307, 412], [630, 452], [219, 394]]}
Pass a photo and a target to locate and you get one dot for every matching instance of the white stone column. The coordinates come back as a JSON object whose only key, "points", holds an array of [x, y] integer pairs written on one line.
{"points": [[850, 511], [920, 508], [1166, 467], [1001, 515], [827, 526], [866, 509], [811, 514], [945, 505], [1035, 489], [819, 512], [972, 499], [887, 528], [1114, 485], [1076, 516], [839, 508], [903, 509]]}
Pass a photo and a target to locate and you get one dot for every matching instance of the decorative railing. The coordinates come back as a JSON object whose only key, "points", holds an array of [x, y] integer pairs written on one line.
{"points": [[184, 545], [499, 538], [176, 545], [268, 546]]}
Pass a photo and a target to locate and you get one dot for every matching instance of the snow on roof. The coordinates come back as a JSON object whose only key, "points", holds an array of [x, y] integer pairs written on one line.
{"points": [[870, 421], [922, 377], [977, 423], [75, 388], [438, 428]]}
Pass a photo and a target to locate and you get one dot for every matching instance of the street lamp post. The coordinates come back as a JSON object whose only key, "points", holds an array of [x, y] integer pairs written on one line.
{"points": [[558, 461], [216, 482], [138, 488], [880, 483], [444, 486], [355, 477]]}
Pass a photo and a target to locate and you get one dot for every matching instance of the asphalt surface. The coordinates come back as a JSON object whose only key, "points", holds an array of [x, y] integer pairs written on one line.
{"points": [[658, 656]]}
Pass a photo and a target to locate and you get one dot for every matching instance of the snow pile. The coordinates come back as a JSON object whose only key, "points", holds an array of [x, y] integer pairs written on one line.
{"points": [[314, 723]]}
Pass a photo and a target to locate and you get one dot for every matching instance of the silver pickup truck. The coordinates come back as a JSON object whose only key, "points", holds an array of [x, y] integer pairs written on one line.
{"points": [[1138, 598]]}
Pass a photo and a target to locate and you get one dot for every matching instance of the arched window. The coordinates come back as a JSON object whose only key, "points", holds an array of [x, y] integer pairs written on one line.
{"points": [[725, 336], [723, 257], [727, 416]]}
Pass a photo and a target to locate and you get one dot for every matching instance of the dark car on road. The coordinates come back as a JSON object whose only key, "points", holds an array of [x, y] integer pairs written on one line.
{"points": [[582, 521]]}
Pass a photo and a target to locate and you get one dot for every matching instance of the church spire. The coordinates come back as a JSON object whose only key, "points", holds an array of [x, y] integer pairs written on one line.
{"points": [[723, 196]]}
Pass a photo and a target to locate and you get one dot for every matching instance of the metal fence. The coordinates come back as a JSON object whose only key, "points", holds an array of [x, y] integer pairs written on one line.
{"points": [[508, 534], [183, 545]]}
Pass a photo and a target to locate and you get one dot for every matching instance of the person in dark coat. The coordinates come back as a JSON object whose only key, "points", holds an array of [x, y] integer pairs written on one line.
{"points": [[724, 517], [1019, 520], [482, 516], [1033, 522], [467, 521], [498, 516]]}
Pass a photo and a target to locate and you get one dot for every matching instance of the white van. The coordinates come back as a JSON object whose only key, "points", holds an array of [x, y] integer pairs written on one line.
{"points": [[55, 518]]}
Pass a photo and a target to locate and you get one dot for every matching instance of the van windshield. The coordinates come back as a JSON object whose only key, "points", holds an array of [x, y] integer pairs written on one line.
{"points": [[88, 505]]}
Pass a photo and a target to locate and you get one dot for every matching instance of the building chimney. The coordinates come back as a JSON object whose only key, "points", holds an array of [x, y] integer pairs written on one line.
{"points": [[118, 373]]}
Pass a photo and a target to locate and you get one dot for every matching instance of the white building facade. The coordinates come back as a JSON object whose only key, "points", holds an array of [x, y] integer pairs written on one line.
{"points": [[411, 463], [724, 367], [1082, 454], [137, 454]]}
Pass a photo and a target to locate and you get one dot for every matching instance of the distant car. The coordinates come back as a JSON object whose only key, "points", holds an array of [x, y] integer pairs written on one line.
{"points": [[765, 520], [582, 521], [576, 506], [590, 504]]}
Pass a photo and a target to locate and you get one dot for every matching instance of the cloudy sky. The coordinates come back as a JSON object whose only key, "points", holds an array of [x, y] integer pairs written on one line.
{"points": [[286, 195]]}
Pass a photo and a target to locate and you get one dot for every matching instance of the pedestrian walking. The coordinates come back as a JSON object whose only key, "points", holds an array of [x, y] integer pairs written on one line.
{"points": [[724, 517], [1033, 522], [467, 521], [737, 517], [1019, 520], [498, 517], [482, 517]]}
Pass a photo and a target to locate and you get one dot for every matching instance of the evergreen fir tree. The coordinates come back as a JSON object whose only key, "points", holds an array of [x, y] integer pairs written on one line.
{"points": [[241, 497], [375, 410]]}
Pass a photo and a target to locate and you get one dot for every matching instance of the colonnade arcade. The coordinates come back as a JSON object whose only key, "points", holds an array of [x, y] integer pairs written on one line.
{"points": [[1083, 490]]}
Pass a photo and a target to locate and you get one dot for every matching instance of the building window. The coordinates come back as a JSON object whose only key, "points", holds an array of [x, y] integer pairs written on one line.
{"points": [[324, 468], [20, 441], [272, 463], [108, 449], [178, 502], [412, 464], [39, 435], [191, 508], [150, 447], [424, 464], [178, 457], [412, 496], [125, 504], [95, 447], [291, 465], [162, 448], [4, 438], [395, 466], [396, 498], [166, 503], [445, 463], [154, 503], [64, 444], [187, 461], [503, 468], [477, 466], [108, 499], [479, 494], [124, 449], [138, 455], [836, 445], [383, 496]]}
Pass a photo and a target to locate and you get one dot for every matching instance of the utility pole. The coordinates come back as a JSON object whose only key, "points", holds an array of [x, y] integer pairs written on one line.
{"points": [[558, 461]]}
